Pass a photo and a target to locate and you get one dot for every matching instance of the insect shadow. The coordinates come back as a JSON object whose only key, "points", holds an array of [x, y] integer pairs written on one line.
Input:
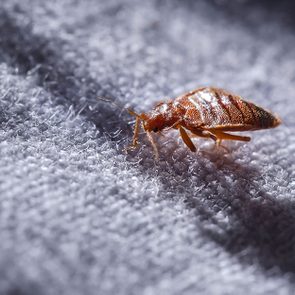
{"points": [[32, 54], [260, 226]]}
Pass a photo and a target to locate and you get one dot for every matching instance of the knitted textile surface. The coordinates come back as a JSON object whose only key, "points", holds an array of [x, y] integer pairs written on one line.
{"points": [[80, 216]]}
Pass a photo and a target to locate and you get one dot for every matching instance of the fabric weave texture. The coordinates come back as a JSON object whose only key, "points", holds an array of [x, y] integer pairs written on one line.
{"points": [[78, 215]]}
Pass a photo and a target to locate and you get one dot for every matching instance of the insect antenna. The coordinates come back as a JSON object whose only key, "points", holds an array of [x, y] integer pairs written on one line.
{"points": [[118, 105], [132, 113]]}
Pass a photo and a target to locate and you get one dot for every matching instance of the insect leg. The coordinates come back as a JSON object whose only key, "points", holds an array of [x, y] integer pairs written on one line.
{"points": [[186, 139], [136, 132], [223, 135], [150, 138], [204, 133], [208, 134], [175, 125], [134, 143]]}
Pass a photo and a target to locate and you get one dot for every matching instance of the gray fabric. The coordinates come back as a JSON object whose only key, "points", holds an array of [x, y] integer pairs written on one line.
{"points": [[77, 215]]}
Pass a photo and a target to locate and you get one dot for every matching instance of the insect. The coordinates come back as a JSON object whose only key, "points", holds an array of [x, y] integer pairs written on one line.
{"points": [[206, 112]]}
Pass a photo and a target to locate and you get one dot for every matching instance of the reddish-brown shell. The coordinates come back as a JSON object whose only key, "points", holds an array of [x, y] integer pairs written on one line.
{"points": [[217, 109], [206, 112]]}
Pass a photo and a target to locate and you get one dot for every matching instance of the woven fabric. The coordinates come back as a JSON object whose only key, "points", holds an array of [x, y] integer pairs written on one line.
{"points": [[78, 215]]}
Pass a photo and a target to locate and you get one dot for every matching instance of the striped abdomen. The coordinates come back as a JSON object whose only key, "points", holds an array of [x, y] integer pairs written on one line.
{"points": [[214, 108]]}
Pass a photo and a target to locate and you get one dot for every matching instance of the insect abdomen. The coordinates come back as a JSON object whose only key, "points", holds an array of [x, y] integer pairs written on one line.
{"points": [[215, 108]]}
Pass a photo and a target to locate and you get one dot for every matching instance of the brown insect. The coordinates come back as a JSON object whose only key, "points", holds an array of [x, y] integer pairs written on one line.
{"points": [[205, 112]]}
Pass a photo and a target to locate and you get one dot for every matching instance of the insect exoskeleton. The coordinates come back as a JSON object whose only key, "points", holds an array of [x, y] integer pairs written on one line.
{"points": [[206, 112]]}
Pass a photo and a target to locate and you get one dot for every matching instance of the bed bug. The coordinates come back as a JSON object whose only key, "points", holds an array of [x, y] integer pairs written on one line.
{"points": [[206, 112]]}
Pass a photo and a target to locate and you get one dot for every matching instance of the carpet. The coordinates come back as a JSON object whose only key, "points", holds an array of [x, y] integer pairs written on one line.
{"points": [[80, 216]]}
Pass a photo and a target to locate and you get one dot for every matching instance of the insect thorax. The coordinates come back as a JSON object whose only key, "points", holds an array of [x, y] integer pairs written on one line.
{"points": [[164, 115]]}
